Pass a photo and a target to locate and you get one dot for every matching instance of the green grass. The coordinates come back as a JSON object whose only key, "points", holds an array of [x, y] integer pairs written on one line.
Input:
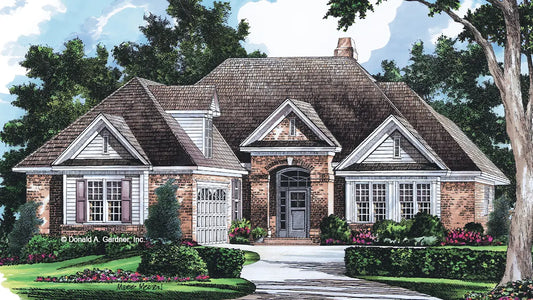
{"points": [[448, 289], [251, 257], [478, 248], [21, 280]]}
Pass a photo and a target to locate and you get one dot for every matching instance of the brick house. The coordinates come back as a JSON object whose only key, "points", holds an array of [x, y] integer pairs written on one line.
{"points": [[283, 142]]}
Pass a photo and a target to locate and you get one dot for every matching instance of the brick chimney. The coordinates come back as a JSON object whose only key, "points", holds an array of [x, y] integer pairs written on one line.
{"points": [[345, 48]]}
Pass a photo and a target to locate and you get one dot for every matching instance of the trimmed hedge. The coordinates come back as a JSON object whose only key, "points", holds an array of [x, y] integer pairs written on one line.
{"points": [[465, 264], [222, 262], [172, 260]]}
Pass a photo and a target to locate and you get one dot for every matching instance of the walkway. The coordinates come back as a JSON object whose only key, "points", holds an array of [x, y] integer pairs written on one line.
{"points": [[312, 272]]}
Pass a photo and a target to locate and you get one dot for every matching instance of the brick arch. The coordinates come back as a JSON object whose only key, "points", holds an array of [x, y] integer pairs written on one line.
{"points": [[296, 162]]}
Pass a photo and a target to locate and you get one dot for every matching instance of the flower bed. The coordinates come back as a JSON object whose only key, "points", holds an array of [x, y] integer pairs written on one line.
{"points": [[463, 237], [31, 259], [512, 290], [106, 275]]}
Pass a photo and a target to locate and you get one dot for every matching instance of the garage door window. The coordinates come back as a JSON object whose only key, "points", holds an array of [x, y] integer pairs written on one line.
{"points": [[212, 218]]}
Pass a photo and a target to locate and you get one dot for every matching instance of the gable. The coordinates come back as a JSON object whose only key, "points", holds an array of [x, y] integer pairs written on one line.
{"points": [[378, 148], [95, 148], [384, 153], [282, 131]]}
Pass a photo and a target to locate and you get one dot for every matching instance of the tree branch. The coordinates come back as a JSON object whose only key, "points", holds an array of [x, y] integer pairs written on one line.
{"points": [[494, 67]]}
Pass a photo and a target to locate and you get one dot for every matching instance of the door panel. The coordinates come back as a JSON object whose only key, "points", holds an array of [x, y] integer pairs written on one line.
{"points": [[298, 214]]}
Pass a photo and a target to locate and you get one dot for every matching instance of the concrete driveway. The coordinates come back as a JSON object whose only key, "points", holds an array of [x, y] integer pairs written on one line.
{"points": [[311, 272]]}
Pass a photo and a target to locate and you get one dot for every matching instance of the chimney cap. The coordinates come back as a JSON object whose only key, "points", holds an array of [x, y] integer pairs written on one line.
{"points": [[345, 48]]}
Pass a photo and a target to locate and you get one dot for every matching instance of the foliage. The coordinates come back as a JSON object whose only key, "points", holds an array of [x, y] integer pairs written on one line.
{"points": [[163, 218], [239, 232], [452, 263], [106, 275], [463, 237], [498, 224], [42, 244], [333, 227], [63, 86], [521, 289], [363, 237], [258, 232], [475, 227], [172, 260], [426, 225], [389, 230], [120, 243], [185, 47], [222, 262], [24, 228]]}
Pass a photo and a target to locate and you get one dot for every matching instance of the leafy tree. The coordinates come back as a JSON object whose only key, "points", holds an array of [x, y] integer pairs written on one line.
{"points": [[507, 24], [498, 224], [454, 82], [65, 85], [25, 227], [163, 220], [183, 50]]}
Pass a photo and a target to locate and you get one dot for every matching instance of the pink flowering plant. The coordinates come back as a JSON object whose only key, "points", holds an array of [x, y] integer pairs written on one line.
{"points": [[460, 236], [30, 259], [363, 237], [239, 232], [107, 275], [515, 290]]}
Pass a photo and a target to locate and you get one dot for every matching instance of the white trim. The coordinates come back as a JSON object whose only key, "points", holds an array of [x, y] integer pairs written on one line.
{"points": [[199, 170], [64, 199], [83, 139], [291, 149], [141, 199], [100, 168], [369, 144], [276, 117], [389, 173]]}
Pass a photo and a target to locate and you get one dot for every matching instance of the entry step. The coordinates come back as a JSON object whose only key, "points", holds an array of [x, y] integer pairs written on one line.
{"points": [[287, 241]]}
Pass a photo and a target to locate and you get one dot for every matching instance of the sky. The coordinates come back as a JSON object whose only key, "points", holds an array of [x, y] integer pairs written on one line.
{"points": [[278, 28]]}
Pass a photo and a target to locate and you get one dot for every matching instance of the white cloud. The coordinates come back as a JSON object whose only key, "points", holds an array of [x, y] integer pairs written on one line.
{"points": [[101, 21], [453, 29], [297, 28], [18, 22]]}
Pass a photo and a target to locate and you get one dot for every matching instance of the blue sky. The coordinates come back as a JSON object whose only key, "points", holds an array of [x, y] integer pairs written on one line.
{"points": [[278, 27]]}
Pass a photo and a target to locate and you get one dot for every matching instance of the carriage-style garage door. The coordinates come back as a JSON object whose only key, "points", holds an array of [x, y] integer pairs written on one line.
{"points": [[212, 215]]}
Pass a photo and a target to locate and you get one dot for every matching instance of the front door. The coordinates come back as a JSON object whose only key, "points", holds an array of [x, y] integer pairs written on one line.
{"points": [[293, 203]]}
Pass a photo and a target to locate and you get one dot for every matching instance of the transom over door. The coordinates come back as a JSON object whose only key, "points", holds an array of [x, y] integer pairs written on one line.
{"points": [[293, 203]]}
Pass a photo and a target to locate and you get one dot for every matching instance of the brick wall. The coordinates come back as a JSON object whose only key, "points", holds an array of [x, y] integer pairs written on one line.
{"points": [[339, 208], [48, 190], [282, 131], [484, 198], [457, 203], [321, 176], [138, 230]]}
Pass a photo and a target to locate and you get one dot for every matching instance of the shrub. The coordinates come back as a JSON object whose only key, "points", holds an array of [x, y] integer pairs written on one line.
{"points": [[364, 237], [163, 218], [239, 232], [462, 237], [474, 227], [426, 225], [464, 264], [106, 275], [97, 246], [24, 228], [521, 289], [498, 224], [172, 260], [223, 262], [42, 244], [189, 243], [258, 232], [392, 231], [121, 243], [333, 227]]}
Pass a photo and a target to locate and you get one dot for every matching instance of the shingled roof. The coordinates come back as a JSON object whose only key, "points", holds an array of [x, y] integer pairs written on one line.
{"points": [[191, 97], [340, 91], [159, 135], [347, 99]]}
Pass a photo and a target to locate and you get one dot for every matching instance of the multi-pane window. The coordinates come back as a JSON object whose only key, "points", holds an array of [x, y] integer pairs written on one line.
{"points": [[397, 146], [379, 201], [208, 138], [292, 126], [407, 206], [362, 200], [423, 197], [105, 205]]}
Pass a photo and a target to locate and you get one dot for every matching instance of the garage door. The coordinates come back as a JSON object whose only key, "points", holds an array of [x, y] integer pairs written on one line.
{"points": [[212, 215]]}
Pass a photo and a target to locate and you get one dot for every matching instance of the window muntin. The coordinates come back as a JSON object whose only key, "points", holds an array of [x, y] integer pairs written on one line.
{"points": [[379, 201], [362, 199], [407, 206], [423, 197], [292, 126], [397, 147], [105, 205]]}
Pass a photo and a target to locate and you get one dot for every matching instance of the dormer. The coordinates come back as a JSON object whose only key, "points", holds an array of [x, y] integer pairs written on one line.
{"points": [[194, 107]]}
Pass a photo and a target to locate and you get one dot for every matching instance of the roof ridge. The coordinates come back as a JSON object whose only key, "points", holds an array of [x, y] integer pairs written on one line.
{"points": [[163, 115]]}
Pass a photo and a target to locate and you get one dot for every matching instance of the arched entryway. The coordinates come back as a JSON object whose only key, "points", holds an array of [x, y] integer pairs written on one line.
{"points": [[293, 191]]}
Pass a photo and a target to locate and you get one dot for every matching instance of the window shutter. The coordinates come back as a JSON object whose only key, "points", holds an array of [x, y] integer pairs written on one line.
{"points": [[236, 197], [81, 200], [126, 201]]}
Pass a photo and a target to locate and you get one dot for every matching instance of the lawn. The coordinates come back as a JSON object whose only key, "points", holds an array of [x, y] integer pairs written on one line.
{"points": [[21, 280], [441, 288]]}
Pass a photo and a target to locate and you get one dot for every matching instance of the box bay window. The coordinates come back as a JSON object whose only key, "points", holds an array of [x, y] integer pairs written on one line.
{"points": [[370, 202]]}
